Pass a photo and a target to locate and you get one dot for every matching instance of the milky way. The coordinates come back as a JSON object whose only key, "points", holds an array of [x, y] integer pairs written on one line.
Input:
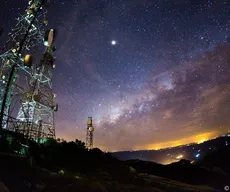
{"points": [[164, 82]]}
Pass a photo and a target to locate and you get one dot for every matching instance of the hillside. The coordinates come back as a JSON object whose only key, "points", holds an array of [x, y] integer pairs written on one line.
{"points": [[168, 155], [69, 166], [220, 159], [183, 171], [17, 175]]}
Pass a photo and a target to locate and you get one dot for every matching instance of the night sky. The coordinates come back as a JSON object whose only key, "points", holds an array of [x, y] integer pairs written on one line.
{"points": [[151, 73]]}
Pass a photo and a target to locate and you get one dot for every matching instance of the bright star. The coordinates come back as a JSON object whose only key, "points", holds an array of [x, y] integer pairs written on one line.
{"points": [[113, 42]]}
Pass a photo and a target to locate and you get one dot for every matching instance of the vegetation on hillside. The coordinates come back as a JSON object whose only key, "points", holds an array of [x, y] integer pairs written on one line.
{"points": [[70, 166]]}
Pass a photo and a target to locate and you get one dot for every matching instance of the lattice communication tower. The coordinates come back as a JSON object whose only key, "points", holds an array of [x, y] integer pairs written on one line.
{"points": [[23, 41], [89, 133], [39, 102]]}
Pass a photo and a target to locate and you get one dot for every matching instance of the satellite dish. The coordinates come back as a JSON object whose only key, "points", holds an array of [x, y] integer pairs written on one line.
{"points": [[28, 61], [49, 37], [91, 129], [45, 22]]}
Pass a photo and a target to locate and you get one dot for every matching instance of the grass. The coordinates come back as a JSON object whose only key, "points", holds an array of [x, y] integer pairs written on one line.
{"points": [[167, 184], [108, 184], [17, 175]]}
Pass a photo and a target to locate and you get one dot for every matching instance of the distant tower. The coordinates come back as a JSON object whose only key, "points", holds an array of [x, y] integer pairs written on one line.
{"points": [[89, 133]]}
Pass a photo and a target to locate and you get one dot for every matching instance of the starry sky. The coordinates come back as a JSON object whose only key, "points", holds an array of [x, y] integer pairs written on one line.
{"points": [[151, 73]]}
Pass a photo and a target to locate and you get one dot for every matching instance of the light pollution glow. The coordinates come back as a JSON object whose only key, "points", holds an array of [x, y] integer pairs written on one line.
{"points": [[199, 138], [192, 139]]}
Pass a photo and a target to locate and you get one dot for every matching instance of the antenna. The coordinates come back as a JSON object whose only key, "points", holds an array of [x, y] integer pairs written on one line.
{"points": [[89, 133], [35, 118]]}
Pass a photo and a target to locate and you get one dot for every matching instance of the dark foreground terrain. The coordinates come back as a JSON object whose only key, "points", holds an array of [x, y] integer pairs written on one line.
{"points": [[18, 176], [69, 166], [213, 170]]}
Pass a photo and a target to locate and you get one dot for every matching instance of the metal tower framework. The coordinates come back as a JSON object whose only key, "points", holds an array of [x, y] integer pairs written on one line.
{"points": [[89, 133], [39, 102], [23, 38], [35, 115]]}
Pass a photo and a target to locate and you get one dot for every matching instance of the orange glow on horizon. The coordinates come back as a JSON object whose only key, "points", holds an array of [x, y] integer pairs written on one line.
{"points": [[192, 139], [199, 138], [169, 161]]}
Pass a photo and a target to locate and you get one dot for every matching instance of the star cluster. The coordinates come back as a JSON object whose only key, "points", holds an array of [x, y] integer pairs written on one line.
{"points": [[151, 73]]}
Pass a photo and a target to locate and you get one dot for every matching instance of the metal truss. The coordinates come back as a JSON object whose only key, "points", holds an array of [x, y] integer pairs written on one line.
{"points": [[39, 102], [23, 38]]}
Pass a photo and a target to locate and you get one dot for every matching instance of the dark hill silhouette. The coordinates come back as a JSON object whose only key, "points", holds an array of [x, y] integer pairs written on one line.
{"points": [[191, 149], [218, 160], [69, 166], [196, 174]]}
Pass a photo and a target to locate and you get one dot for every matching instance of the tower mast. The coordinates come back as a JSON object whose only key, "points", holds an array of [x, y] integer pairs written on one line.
{"points": [[39, 102], [23, 38], [89, 133]]}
